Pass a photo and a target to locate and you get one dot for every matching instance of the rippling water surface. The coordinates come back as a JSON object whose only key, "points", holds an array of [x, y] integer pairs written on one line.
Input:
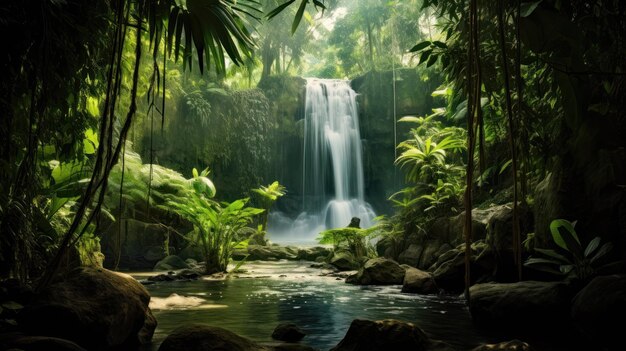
{"points": [[269, 293]]}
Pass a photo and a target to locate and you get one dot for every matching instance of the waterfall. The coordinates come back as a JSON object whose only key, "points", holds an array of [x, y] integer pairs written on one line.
{"points": [[332, 176]]}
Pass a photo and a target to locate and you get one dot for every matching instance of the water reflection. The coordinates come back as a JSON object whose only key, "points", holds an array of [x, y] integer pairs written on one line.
{"points": [[280, 292]]}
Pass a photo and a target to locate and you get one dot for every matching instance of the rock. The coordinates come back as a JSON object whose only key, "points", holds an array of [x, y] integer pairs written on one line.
{"points": [[513, 345], [246, 233], [355, 222], [411, 255], [288, 332], [292, 347], [429, 255], [526, 305], [417, 281], [320, 259], [597, 307], [378, 271], [142, 242], [169, 263], [202, 337], [388, 334], [258, 238], [449, 271], [344, 261], [95, 308], [147, 331], [43, 343], [192, 251], [271, 253], [313, 253]]}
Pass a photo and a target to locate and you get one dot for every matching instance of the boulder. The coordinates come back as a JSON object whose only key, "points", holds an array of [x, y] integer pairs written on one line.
{"points": [[292, 347], [597, 307], [42, 343], [95, 308], [388, 334], [528, 305], [417, 281], [449, 270], [411, 255], [169, 263], [142, 242], [313, 253], [202, 337], [378, 271], [258, 238], [513, 345], [288, 332], [192, 251], [270, 253], [344, 261]]}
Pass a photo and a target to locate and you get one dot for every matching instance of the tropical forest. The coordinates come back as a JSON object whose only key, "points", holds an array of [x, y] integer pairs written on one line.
{"points": [[298, 175]]}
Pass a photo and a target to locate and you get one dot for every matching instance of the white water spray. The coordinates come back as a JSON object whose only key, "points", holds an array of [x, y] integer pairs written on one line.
{"points": [[332, 163]]}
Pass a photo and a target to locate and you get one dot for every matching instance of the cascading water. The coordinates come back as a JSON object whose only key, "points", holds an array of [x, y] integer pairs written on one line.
{"points": [[332, 162]]}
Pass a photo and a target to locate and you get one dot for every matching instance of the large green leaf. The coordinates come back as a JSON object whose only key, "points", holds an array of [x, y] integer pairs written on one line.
{"points": [[564, 235], [593, 245]]}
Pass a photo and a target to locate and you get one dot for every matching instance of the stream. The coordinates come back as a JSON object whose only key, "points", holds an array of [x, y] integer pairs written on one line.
{"points": [[253, 303]]}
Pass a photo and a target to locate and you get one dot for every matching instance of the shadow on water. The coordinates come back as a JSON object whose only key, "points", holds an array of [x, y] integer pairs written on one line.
{"points": [[252, 304]]}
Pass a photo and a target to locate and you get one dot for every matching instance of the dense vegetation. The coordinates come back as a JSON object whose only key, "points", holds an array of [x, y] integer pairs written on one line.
{"points": [[529, 111]]}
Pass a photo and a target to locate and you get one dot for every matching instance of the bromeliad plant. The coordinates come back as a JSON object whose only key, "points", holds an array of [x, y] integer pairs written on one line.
{"points": [[356, 240], [215, 224], [573, 261], [269, 194]]}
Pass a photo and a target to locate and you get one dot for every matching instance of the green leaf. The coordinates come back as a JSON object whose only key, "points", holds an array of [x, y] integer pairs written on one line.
{"points": [[527, 8], [505, 166], [432, 60], [194, 172], [411, 119], [553, 254], [440, 44], [420, 46], [567, 239], [425, 55], [279, 9], [298, 17], [603, 251], [91, 105], [593, 245], [12, 305]]}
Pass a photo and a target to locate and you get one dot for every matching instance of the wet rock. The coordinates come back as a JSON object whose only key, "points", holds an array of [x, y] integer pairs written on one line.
{"points": [[344, 261], [95, 308], [378, 271], [388, 334], [202, 337], [417, 281], [288, 332], [513, 345], [169, 263], [513, 305], [596, 308]]}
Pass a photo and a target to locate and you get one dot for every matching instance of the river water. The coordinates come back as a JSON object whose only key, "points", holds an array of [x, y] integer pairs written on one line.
{"points": [[269, 293]]}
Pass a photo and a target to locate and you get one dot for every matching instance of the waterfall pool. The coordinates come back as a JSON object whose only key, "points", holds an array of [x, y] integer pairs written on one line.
{"points": [[253, 303]]}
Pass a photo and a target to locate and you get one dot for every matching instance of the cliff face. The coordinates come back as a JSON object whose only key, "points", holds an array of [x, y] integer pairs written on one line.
{"points": [[377, 122]]}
